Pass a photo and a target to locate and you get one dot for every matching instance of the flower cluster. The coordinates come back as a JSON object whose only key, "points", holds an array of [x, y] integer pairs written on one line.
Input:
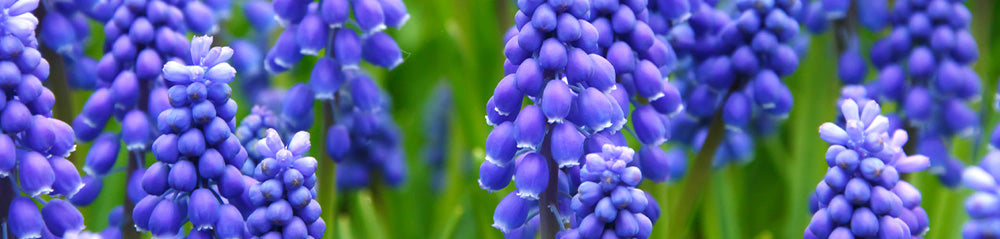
{"points": [[862, 195], [437, 118], [33, 146], [607, 203], [546, 60], [733, 72], [285, 199], [924, 66], [140, 37], [362, 139], [310, 25], [366, 145], [198, 155], [582, 64]]}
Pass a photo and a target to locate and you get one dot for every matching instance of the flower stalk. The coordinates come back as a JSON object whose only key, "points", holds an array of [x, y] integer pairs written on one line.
{"points": [[696, 183]]}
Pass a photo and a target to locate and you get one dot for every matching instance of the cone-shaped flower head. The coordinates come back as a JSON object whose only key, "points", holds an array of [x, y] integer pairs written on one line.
{"points": [[197, 175], [862, 194], [607, 203], [285, 199]]}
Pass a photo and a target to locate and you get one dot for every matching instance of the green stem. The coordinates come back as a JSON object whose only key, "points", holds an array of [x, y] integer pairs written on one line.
{"points": [[328, 190], [697, 181]]}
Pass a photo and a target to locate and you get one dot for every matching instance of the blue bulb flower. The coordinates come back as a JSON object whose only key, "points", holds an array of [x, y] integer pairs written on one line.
{"points": [[365, 144], [129, 86], [33, 145], [309, 25], [607, 203], [862, 194], [199, 155], [285, 198], [731, 67], [924, 65], [363, 139], [582, 64]]}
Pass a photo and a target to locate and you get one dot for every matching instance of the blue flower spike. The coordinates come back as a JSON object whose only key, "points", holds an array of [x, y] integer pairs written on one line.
{"points": [[34, 172], [197, 150], [287, 203], [862, 194]]}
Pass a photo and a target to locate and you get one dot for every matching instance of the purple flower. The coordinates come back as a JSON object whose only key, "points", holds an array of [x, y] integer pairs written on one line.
{"points": [[33, 144], [582, 65], [733, 64], [309, 28], [862, 194], [287, 202], [198, 153], [607, 202], [924, 65]]}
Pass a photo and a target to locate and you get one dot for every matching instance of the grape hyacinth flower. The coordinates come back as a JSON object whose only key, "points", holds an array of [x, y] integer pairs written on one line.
{"points": [[576, 62], [33, 145], [607, 203], [198, 155], [309, 26], [366, 145], [140, 37], [437, 118], [733, 69], [361, 137], [862, 195], [924, 65], [285, 199]]}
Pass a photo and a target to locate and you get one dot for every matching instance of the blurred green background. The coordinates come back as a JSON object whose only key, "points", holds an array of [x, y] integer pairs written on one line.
{"points": [[459, 42]]}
